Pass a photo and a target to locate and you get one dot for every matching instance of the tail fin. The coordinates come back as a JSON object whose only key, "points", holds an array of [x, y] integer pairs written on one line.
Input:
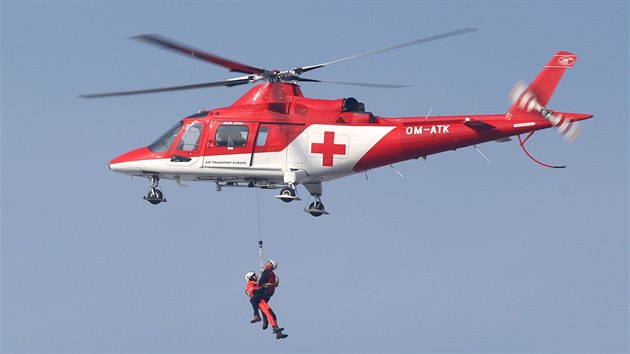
{"points": [[545, 83]]}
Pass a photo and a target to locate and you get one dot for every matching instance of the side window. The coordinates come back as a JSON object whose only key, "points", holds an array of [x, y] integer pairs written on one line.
{"points": [[190, 138], [262, 136], [231, 135]]}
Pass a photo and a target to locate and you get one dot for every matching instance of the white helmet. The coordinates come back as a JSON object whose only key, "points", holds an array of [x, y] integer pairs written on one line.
{"points": [[250, 275], [274, 264]]}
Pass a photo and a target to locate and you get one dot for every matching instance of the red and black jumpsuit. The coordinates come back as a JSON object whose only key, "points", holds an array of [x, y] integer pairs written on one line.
{"points": [[268, 276]]}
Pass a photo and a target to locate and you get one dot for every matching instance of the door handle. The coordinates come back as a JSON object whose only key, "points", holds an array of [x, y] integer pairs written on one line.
{"points": [[178, 158]]}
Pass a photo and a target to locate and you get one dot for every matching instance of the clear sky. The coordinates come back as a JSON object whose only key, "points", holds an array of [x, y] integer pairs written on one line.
{"points": [[460, 255]]}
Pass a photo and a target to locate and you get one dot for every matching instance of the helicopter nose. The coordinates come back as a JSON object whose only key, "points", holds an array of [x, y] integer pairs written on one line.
{"points": [[130, 162], [123, 167], [115, 167]]}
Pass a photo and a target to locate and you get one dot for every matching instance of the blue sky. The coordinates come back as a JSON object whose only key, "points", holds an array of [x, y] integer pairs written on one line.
{"points": [[460, 255]]}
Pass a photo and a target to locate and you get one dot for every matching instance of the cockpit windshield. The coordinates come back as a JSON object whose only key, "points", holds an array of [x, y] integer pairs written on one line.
{"points": [[163, 143]]}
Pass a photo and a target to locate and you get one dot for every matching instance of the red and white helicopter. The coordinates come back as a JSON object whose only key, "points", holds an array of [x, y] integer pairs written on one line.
{"points": [[274, 137]]}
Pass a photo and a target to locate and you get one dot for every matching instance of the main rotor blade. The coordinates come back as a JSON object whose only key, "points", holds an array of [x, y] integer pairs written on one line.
{"points": [[196, 53], [362, 84], [417, 41], [231, 82]]}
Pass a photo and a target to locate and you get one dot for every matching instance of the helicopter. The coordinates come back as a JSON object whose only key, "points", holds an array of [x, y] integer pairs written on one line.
{"points": [[274, 137]]}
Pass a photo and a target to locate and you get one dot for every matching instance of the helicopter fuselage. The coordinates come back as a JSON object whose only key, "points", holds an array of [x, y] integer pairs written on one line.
{"points": [[274, 136]]}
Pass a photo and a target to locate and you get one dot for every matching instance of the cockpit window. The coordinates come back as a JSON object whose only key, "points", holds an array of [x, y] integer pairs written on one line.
{"points": [[191, 136], [232, 135], [163, 143]]}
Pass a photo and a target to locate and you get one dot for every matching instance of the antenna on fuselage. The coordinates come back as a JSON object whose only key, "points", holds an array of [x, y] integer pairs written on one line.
{"points": [[481, 153], [427, 117], [398, 172]]}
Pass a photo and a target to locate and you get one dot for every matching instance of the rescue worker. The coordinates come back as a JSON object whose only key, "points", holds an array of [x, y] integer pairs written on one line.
{"points": [[269, 281], [253, 290]]}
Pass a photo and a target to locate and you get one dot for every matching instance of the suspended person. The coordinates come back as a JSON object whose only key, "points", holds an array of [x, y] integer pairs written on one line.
{"points": [[269, 281], [256, 294]]}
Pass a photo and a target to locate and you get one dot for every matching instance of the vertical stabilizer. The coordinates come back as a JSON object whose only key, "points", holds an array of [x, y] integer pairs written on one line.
{"points": [[547, 80]]}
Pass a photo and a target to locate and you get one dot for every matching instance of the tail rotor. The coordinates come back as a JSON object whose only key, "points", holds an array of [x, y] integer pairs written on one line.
{"points": [[525, 99]]}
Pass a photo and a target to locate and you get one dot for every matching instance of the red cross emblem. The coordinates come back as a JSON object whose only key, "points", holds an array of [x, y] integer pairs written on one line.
{"points": [[328, 148]]}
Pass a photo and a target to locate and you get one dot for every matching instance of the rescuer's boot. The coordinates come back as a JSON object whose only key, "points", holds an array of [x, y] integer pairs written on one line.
{"points": [[281, 335], [277, 329]]}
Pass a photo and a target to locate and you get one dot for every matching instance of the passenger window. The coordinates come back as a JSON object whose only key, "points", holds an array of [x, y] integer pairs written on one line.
{"points": [[190, 138], [262, 136], [232, 135]]}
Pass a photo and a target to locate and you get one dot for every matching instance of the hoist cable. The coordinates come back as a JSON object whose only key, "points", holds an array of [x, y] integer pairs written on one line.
{"points": [[260, 252], [260, 241]]}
